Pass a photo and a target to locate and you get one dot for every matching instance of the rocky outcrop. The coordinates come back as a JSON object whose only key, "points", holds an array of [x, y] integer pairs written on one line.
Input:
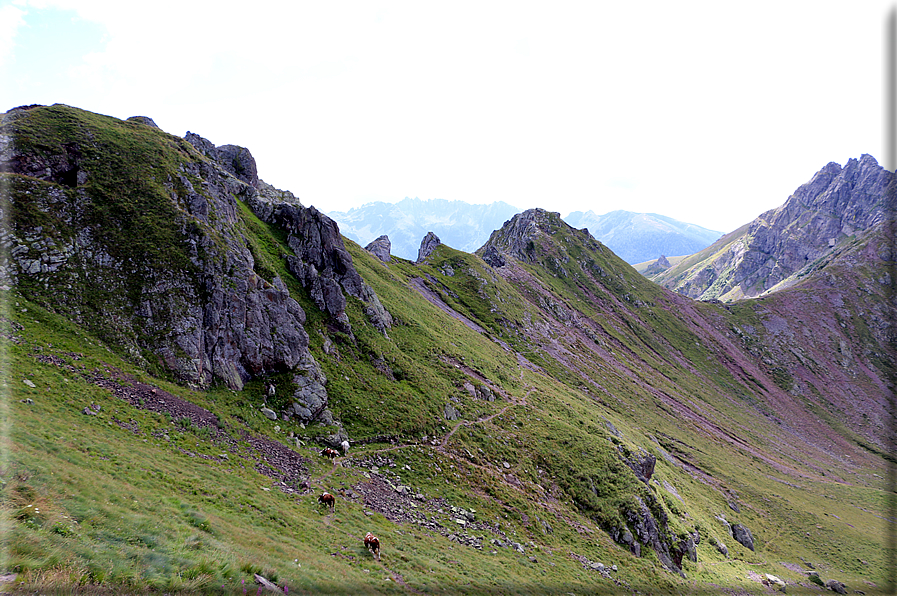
{"points": [[427, 246], [458, 224], [519, 236], [834, 206], [657, 267], [380, 248], [641, 463], [493, 257], [239, 162], [321, 262], [143, 120], [647, 525], [173, 281]]}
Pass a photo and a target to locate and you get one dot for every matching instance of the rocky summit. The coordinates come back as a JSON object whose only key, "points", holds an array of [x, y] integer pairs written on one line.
{"points": [[835, 208], [208, 385]]}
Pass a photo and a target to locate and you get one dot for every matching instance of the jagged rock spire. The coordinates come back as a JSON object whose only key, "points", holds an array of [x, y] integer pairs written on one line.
{"points": [[427, 246]]}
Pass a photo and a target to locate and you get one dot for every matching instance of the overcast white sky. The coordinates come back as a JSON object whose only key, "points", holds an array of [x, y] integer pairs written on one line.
{"points": [[709, 112]]}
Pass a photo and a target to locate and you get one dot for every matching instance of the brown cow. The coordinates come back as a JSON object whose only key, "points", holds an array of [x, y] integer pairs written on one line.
{"points": [[373, 544], [328, 500], [328, 452]]}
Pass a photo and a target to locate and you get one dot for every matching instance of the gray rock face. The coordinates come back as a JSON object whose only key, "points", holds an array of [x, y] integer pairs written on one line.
{"points": [[518, 236], [493, 257], [239, 162], [427, 246], [320, 261], [380, 248], [652, 531], [200, 310], [836, 204], [743, 535], [203, 145], [208, 316]]}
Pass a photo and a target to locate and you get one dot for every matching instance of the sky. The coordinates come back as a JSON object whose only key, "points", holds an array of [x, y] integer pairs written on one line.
{"points": [[708, 112]]}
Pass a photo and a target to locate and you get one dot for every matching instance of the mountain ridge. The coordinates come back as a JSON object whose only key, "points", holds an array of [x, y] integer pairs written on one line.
{"points": [[772, 251], [634, 236]]}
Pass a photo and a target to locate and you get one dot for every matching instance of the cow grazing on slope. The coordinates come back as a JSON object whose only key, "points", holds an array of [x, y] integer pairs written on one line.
{"points": [[328, 452], [328, 500], [373, 544]]}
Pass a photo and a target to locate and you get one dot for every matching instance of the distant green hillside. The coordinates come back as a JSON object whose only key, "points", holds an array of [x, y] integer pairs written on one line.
{"points": [[536, 418]]}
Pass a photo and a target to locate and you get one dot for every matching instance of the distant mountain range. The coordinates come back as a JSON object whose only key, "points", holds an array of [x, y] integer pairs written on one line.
{"points": [[635, 237], [458, 224]]}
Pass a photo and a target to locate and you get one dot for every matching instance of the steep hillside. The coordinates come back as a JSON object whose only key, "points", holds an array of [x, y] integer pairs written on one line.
{"points": [[459, 224], [638, 237], [535, 418], [837, 206]]}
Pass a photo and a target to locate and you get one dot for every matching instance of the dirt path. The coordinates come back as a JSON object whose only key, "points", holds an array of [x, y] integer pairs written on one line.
{"points": [[520, 402]]}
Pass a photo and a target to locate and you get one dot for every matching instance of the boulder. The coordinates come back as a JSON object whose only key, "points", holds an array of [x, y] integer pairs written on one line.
{"points": [[836, 586], [772, 580], [743, 535], [483, 392], [451, 412]]}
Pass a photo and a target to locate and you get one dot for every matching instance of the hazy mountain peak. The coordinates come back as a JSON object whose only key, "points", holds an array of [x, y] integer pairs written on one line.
{"points": [[640, 237]]}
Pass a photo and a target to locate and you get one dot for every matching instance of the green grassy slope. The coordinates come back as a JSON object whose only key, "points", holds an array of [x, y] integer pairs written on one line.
{"points": [[587, 364]]}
